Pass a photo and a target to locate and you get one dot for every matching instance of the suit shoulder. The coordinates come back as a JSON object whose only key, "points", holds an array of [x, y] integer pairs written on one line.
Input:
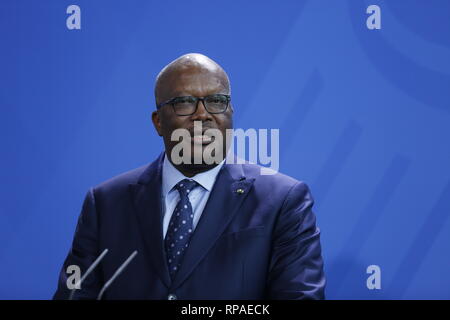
{"points": [[260, 174], [277, 188], [122, 180]]}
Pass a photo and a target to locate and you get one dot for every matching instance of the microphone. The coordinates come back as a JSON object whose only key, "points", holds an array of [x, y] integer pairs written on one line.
{"points": [[88, 271], [116, 274]]}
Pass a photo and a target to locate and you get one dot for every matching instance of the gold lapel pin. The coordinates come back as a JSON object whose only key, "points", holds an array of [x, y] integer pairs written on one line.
{"points": [[240, 191]]}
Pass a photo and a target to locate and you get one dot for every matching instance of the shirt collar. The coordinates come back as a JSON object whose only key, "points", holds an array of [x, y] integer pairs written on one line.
{"points": [[171, 176]]}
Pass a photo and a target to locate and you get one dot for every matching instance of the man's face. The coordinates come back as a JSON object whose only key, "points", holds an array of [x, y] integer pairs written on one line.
{"points": [[191, 82]]}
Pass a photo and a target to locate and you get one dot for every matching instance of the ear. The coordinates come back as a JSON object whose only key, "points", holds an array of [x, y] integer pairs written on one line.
{"points": [[156, 119]]}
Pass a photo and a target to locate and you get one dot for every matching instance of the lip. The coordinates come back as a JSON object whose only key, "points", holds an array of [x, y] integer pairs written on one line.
{"points": [[202, 139]]}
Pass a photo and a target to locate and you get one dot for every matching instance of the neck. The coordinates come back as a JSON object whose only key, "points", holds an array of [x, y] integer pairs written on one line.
{"points": [[190, 170]]}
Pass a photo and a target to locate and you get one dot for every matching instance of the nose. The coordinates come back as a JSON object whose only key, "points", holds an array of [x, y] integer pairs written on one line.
{"points": [[201, 113]]}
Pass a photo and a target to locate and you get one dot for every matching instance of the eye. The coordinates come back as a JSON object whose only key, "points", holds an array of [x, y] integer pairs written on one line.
{"points": [[184, 100], [217, 99]]}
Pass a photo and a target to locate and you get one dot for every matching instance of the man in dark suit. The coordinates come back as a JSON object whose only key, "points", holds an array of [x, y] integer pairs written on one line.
{"points": [[202, 230]]}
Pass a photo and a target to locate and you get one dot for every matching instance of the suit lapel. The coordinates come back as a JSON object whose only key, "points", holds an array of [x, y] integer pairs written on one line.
{"points": [[147, 201], [223, 203]]}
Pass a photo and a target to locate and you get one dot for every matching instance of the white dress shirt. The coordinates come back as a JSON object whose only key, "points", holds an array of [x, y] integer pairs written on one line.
{"points": [[198, 196]]}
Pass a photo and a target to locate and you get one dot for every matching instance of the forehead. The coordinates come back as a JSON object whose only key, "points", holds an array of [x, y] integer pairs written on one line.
{"points": [[195, 82]]}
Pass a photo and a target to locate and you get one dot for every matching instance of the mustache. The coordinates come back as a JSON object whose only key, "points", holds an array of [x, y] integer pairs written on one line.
{"points": [[204, 128]]}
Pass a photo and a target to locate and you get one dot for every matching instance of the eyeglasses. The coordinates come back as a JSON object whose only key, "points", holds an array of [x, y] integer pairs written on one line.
{"points": [[187, 105]]}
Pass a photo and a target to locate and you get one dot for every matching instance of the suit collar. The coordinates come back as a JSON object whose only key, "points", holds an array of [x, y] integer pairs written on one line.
{"points": [[146, 195], [223, 204]]}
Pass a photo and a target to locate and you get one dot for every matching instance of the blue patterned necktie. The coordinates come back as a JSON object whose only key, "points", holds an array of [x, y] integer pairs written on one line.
{"points": [[180, 227]]}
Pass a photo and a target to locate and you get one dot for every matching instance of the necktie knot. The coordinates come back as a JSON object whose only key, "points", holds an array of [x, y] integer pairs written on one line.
{"points": [[185, 186]]}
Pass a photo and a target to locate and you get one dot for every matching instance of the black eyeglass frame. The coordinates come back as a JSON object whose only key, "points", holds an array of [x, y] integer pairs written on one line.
{"points": [[197, 99]]}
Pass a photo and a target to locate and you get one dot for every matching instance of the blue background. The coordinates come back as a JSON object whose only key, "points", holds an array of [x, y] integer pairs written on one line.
{"points": [[364, 118]]}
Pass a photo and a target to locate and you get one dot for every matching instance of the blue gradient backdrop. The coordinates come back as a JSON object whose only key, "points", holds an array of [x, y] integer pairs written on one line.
{"points": [[364, 118]]}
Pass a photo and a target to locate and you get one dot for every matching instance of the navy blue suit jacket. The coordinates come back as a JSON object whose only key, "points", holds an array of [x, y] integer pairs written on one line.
{"points": [[259, 244]]}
